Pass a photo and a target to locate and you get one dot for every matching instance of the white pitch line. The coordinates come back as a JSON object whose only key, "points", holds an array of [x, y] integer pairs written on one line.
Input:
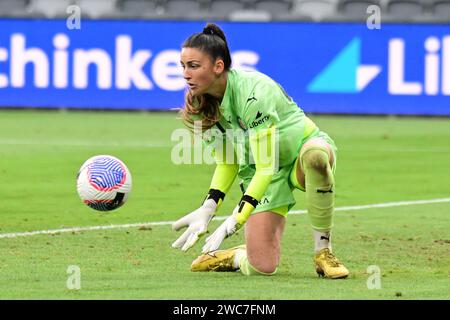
{"points": [[91, 228], [398, 149], [73, 143], [382, 205], [145, 224]]}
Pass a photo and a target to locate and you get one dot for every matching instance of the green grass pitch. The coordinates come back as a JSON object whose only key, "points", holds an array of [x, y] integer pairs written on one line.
{"points": [[380, 160]]}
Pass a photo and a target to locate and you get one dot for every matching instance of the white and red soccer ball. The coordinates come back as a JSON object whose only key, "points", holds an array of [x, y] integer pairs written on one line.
{"points": [[104, 183]]}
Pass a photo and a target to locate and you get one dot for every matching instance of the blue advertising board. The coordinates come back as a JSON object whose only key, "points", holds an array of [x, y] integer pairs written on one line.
{"points": [[325, 67]]}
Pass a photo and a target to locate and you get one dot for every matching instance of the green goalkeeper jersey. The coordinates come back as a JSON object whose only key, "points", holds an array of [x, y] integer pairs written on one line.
{"points": [[253, 102]]}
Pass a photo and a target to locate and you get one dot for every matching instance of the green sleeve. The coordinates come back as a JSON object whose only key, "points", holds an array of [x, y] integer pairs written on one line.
{"points": [[226, 166], [261, 117], [261, 143]]}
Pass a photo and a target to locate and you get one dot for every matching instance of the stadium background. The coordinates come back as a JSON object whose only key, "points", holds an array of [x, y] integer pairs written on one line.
{"points": [[330, 55]]}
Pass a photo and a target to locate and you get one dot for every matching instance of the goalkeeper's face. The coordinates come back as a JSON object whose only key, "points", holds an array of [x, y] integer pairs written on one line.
{"points": [[200, 71]]}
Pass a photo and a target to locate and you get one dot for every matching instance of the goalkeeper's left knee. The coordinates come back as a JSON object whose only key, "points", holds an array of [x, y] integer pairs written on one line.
{"points": [[319, 183]]}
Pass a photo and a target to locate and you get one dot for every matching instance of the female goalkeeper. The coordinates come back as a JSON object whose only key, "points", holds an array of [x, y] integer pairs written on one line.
{"points": [[284, 150]]}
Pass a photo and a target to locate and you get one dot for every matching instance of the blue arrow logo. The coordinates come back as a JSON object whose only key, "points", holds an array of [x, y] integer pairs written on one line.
{"points": [[345, 74]]}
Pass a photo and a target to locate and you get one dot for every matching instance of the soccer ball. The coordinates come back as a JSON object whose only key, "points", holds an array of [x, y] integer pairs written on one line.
{"points": [[104, 183]]}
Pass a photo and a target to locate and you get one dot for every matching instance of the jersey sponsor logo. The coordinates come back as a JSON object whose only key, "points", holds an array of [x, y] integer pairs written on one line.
{"points": [[257, 122], [258, 115]]}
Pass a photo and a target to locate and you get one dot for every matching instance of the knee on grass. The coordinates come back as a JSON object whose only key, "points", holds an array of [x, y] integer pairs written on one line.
{"points": [[266, 268]]}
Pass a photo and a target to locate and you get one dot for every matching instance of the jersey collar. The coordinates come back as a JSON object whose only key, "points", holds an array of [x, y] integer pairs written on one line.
{"points": [[226, 105]]}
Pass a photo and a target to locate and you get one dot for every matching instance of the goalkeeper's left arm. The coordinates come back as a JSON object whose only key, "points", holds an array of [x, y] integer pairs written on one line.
{"points": [[262, 145]]}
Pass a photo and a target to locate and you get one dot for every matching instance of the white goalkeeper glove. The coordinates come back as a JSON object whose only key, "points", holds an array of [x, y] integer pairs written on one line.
{"points": [[197, 224], [226, 229]]}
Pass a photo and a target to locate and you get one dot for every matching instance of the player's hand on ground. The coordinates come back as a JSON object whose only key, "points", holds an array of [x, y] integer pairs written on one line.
{"points": [[196, 223], [225, 230]]}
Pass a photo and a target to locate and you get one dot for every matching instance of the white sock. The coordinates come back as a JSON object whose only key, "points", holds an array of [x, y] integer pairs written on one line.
{"points": [[322, 240], [237, 257]]}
